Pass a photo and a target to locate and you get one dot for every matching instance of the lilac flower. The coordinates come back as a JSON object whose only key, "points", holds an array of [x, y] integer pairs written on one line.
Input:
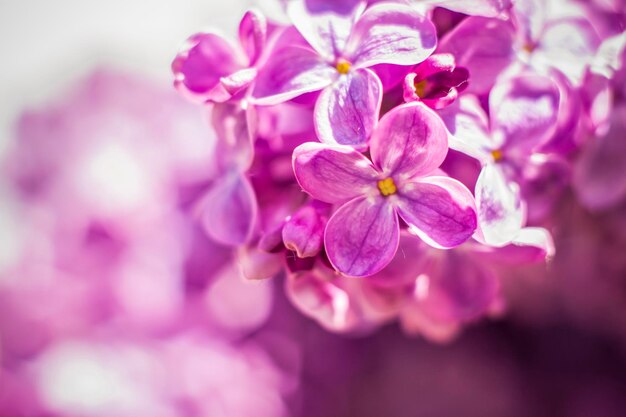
{"points": [[536, 38], [436, 82], [362, 236], [210, 68], [343, 43], [546, 38], [303, 232], [523, 111]]}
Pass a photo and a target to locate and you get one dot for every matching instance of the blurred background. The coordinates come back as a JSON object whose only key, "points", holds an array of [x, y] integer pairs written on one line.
{"points": [[48, 44], [138, 316]]}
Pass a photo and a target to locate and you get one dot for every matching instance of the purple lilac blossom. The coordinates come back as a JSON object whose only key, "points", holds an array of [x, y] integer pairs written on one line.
{"points": [[343, 43], [362, 236]]}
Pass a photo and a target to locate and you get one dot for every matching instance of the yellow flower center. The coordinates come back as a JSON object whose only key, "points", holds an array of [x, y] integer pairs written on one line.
{"points": [[343, 66], [420, 88], [387, 187], [496, 154], [529, 47]]}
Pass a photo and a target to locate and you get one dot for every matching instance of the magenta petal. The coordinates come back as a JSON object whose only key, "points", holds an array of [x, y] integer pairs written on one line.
{"points": [[484, 47], [408, 88], [440, 210], [391, 34], [252, 34], [362, 237], [501, 213], [441, 86], [434, 64], [206, 58], [524, 111], [347, 111], [228, 210], [411, 139], [303, 232], [239, 80], [290, 72], [333, 174]]}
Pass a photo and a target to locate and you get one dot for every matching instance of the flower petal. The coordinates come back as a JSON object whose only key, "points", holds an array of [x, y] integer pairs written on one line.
{"points": [[531, 245], [333, 174], [436, 82], [391, 34], [228, 211], [239, 80], [290, 72], [524, 111], [362, 237], [501, 212], [347, 111], [468, 128], [255, 264], [253, 34], [530, 17], [410, 140], [198, 68], [320, 295], [568, 44], [303, 232], [484, 47], [440, 210], [325, 24]]}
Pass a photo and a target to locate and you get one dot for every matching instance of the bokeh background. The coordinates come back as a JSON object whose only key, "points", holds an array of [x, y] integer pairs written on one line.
{"points": [[164, 339]]}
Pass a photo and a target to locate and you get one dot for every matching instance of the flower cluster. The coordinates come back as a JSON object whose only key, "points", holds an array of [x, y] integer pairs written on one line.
{"points": [[432, 140]]}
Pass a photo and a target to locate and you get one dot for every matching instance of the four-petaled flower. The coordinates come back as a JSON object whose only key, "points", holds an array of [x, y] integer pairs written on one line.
{"points": [[522, 116], [344, 42], [211, 69], [407, 147]]}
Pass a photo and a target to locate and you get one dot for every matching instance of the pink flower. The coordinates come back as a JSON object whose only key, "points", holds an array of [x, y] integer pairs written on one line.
{"points": [[362, 236], [535, 38], [344, 43], [436, 82], [210, 68], [523, 111]]}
